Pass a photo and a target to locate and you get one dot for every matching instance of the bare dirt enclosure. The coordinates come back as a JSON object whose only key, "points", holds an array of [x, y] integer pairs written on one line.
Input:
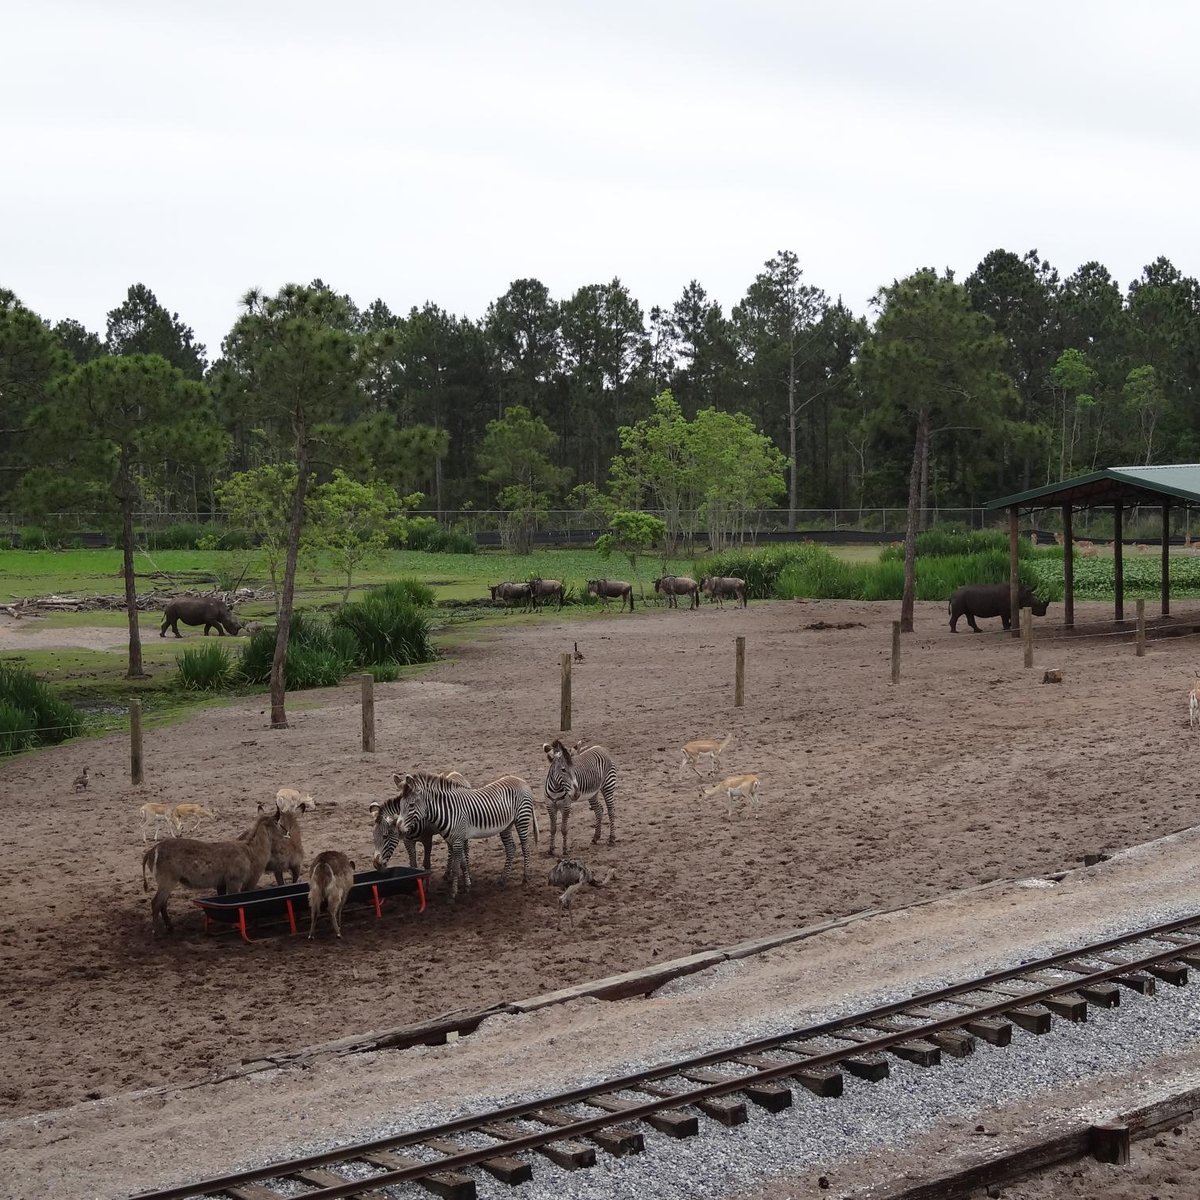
{"points": [[872, 795]]}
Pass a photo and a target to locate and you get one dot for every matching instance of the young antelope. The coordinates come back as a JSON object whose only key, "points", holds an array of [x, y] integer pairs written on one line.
{"points": [[741, 787], [1194, 705], [701, 747]]}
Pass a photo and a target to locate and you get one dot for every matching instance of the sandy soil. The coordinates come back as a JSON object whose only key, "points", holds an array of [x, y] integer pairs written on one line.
{"points": [[872, 795]]}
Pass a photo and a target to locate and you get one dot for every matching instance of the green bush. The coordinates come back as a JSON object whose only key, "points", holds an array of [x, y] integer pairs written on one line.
{"points": [[944, 543], [424, 533], [388, 626], [409, 591], [46, 718], [182, 535], [383, 672], [15, 731], [207, 668], [761, 569], [316, 657]]}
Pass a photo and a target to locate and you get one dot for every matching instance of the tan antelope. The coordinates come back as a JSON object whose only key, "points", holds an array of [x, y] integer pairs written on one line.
{"points": [[741, 787], [157, 815], [190, 812], [330, 879], [1194, 705], [704, 747], [291, 800]]}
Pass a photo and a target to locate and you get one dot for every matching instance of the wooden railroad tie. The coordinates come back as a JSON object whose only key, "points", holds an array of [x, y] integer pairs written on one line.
{"points": [[724, 1109], [507, 1168], [994, 1030], [567, 1154], [618, 1140], [673, 1123], [774, 1097], [322, 1177], [827, 1082], [1067, 1004], [953, 1041], [923, 1053], [451, 1185], [1135, 981], [869, 1065]]}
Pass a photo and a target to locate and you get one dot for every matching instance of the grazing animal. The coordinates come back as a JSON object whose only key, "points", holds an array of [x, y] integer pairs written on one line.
{"points": [[578, 654], [743, 787], [1059, 540], [157, 815], [1087, 549], [458, 814], [701, 748], [189, 812], [287, 847], [1194, 705], [546, 589], [991, 600], [80, 782], [225, 866], [572, 775], [210, 611], [330, 879], [611, 589], [571, 875], [507, 592], [674, 586], [424, 836], [290, 800], [724, 587]]}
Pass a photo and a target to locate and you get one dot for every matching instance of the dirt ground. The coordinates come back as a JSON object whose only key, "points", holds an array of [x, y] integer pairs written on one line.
{"points": [[872, 795]]}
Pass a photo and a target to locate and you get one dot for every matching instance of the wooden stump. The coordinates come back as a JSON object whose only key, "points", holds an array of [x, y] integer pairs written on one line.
{"points": [[1054, 676]]}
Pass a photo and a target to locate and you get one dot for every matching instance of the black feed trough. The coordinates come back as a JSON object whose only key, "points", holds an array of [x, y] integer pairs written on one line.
{"points": [[290, 901]]}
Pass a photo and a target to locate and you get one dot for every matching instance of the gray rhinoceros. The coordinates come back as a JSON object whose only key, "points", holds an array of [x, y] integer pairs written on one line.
{"points": [[209, 611], [991, 600]]}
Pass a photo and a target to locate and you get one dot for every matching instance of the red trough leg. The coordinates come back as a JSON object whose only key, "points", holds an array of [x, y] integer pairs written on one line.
{"points": [[378, 902], [291, 915], [421, 894], [241, 924]]}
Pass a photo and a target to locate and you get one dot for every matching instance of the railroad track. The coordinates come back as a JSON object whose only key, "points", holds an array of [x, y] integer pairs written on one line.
{"points": [[569, 1129]]}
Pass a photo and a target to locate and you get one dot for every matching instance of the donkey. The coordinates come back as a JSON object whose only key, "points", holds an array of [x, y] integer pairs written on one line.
{"points": [[544, 589], [611, 589], [724, 587], [507, 592], [674, 586], [225, 866], [330, 879]]}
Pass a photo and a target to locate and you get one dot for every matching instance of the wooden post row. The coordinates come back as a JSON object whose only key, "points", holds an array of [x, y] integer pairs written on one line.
{"points": [[895, 651], [739, 678], [368, 714], [135, 740], [564, 704]]}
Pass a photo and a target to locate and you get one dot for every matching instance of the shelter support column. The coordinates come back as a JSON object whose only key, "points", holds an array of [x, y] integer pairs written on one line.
{"points": [[1014, 570], [1118, 565], [1068, 569], [1166, 560]]}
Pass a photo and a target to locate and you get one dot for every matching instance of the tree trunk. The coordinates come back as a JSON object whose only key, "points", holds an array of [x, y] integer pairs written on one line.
{"points": [[135, 634], [792, 443], [920, 449], [278, 713], [923, 503]]}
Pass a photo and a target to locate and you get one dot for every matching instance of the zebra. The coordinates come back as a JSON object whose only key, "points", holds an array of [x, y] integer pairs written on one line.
{"points": [[580, 774], [674, 586], [427, 801], [423, 835]]}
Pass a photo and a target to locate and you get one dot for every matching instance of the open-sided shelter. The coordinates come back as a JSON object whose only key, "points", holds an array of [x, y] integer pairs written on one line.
{"points": [[1175, 485]]}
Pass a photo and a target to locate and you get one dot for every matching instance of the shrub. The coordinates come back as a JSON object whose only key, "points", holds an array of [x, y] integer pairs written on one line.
{"points": [[760, 569], [424, 533], [388, 626], [384, 672], [182, 535], [410, 591], [943, 543], [15, 731], [47, 718], [316, 657], [207, 668]]}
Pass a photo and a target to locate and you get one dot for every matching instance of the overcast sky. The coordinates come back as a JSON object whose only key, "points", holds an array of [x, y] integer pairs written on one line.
{"points": [[440, 150]]}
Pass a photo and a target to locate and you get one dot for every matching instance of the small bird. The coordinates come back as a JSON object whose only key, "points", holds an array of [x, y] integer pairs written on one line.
{"points": [[81, 781], [578, 655]]}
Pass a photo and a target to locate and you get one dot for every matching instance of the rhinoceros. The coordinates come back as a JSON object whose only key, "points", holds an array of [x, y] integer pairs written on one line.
{"points": [[209, 611], [991, 600]]}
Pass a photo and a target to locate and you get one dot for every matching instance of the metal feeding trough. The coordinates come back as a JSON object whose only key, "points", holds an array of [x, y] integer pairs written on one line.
{"points": [[286, 903]]}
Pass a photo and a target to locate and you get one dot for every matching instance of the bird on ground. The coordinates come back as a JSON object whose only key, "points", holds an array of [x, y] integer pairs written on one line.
{"points": [[578, 655], [81, 780]]}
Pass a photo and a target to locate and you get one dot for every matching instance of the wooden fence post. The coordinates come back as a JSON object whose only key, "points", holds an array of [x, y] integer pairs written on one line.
{"points": [[368, 713], [1141, 629], [739, 677], [564, 703], [895, 651], [1108, 1142], [135, 740], [1027, 634]]}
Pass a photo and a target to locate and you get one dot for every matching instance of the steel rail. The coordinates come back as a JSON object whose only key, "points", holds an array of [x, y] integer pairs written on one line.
{"points": [[634, 1112]]}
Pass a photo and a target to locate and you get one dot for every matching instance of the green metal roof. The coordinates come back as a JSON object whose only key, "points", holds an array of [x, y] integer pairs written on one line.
{"points": [[1114, 485]]}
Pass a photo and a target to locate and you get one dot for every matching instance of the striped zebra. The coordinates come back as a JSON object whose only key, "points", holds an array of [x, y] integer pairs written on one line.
{"points": [[580, 774], [383, 817], [427, 801]]}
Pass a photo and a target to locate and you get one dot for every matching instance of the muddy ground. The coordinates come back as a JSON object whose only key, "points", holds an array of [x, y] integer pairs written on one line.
{"points": [[872, 795]]}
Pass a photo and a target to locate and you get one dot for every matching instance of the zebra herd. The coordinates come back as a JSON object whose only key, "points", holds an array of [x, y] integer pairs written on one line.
{"points": [[428, 803]]}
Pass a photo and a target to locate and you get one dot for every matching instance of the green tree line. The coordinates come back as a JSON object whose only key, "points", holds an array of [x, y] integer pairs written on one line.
{"points": [[1076, 373]]}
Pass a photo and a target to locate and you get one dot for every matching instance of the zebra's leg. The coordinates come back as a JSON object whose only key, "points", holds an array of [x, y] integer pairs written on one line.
{"points": [[610, 803], [458, 863], [598, 812], [510, 853], [565, 813], [523, 834], [552, 812]]}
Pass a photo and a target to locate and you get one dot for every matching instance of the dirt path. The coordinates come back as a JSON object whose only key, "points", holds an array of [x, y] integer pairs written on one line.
{"points": [[872, 795]]}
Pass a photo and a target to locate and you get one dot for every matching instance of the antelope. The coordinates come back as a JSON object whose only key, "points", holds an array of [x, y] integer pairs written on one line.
{"points": [[1194, 705], [611, 589], [290, 800], [699, 749], [507, 592], [743, 787], [156, 815], [189, 812], [287, 849], [674, 586], [723, 587], [546, 589], [330, 879]]}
